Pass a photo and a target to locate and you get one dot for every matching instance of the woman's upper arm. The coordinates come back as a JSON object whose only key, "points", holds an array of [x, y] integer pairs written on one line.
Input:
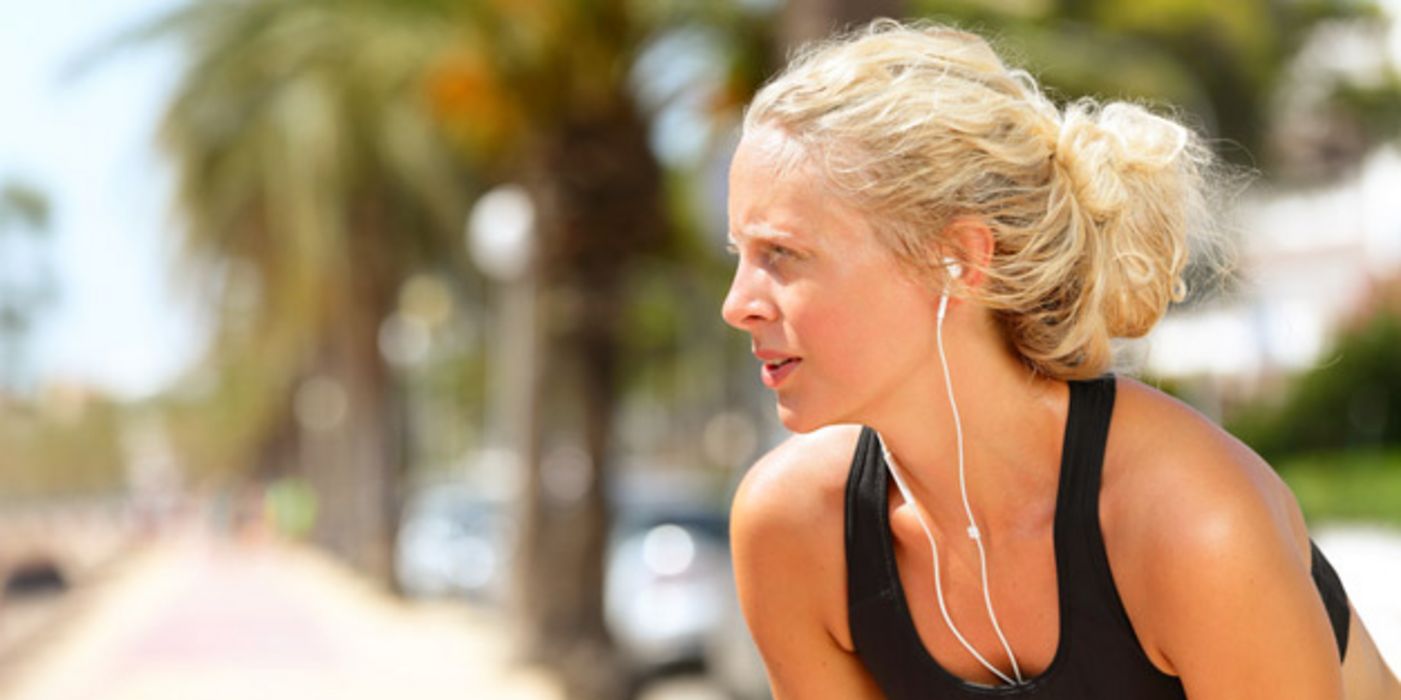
{"points": [[782, 565], [1240, 616]]}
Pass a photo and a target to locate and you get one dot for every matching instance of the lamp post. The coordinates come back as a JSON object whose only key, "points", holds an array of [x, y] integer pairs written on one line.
{"points": [[501, 233], [501, 240]]}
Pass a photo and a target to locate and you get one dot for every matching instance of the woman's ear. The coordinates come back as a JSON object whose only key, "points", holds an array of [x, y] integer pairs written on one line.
{"points": [[971, 246]]}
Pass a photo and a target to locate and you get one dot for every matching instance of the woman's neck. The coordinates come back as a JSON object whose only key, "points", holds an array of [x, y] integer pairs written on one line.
{"points": [[1012, 423]]}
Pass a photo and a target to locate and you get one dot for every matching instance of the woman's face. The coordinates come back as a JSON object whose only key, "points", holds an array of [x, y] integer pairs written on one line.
{"points": [[837, 324]]}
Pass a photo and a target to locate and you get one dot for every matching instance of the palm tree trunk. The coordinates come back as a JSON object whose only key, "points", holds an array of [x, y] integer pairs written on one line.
{"points": [[598, 190], [807, 20], [357, 464]]}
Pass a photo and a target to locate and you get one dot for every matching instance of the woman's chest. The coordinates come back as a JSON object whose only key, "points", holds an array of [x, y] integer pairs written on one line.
{"points": [[1022, 591]]}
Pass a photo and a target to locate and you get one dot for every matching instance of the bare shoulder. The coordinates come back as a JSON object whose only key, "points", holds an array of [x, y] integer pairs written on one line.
{"points": [[786, 529], [1173, 477], [787, 518], [803, 477], [1209, 552]]}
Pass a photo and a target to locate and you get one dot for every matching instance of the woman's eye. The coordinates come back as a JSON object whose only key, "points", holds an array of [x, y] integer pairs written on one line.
{"points": [[778, 253], [770, 254]]}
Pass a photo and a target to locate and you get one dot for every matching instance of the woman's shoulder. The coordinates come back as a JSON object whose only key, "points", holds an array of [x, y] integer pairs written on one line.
{"points": [[797, 488], [1186, 508], [803, 469], [1167, 464], [787, 521]]}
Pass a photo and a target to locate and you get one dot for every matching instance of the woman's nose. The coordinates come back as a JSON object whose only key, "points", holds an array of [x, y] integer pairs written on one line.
{"points": [[747, 302]]}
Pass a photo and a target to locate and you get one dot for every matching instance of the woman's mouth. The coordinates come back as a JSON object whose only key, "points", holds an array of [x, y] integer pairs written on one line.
{"points": [[774, 373]]}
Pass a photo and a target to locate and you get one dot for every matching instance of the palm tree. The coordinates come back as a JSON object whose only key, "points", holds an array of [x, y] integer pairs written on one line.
{"points": [[311, 184], [538, 93], [807, 20]]}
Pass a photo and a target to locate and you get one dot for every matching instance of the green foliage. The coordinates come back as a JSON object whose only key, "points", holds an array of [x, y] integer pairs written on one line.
{"points": [[25, 288], [23, 207], [1351, 401], [312, 179], [1347, 486], [1376, 106]]}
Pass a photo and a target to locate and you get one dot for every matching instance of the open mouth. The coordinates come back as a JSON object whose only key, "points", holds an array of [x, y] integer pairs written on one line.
{"points": [[775, 372]]}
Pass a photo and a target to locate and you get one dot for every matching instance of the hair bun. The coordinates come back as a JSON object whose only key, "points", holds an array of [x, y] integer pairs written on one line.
{"points": [[1136, 179], [1102, 146]]}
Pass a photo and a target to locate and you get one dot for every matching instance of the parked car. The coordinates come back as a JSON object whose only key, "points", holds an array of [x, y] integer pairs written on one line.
{"points": [[34, 575], [668, 583], [672, 603], [454, 541]]}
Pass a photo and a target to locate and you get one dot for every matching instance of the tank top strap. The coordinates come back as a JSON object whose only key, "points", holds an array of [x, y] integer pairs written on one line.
{"points": [[1082, 455], [865, 515], [1097, 622]]}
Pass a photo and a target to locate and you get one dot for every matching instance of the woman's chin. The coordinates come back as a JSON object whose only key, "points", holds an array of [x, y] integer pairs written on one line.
{"points": [[796, 421]]}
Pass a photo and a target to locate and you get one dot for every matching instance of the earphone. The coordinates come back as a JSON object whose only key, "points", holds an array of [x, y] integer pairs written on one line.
{"points": [[955, 271]]}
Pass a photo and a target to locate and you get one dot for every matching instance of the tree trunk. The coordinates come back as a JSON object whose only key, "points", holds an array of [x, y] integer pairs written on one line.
{"points": [[808, 20], [355, 460], [597, 187]]}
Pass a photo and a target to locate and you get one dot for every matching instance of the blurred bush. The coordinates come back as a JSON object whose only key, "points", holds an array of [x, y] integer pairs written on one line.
{"points": [[1347, 485], [1352, 401]]}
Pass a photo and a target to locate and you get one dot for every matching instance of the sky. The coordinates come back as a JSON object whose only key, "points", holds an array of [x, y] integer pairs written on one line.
{"points": [[87, 142]]}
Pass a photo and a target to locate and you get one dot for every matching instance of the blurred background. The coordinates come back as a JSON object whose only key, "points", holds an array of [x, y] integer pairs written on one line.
{"points": [[360, 347]]}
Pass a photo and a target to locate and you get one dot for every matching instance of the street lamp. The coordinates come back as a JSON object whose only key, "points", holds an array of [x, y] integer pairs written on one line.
{"points": [[501, 240], [501, 232]]}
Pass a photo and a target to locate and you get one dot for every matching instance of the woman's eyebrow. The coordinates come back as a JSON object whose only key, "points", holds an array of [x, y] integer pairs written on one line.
{"points": [[764, 232]]}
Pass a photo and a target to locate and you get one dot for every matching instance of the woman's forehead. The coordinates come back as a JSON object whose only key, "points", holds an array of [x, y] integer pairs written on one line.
{"points": [[774, 145], [790, 204]]}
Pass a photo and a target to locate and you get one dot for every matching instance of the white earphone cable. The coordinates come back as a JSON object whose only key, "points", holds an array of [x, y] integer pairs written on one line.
{"points": [[938, 583], [973, 532]]}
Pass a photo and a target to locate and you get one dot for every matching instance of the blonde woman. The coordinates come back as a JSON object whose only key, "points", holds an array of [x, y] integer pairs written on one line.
{"points": [[932, 260]]}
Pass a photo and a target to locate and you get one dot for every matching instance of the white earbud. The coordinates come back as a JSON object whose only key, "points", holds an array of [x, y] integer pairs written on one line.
{"points": [[955, 271]]}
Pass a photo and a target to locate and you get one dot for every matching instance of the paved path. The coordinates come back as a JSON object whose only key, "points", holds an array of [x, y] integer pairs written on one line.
{"points": [[196, 621]]}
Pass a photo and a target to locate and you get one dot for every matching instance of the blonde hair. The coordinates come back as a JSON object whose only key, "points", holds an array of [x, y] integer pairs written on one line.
{"points": [[1091, 207]]}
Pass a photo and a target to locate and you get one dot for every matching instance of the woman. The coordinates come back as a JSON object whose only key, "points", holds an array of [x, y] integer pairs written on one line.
{"points": [[929, 248]]}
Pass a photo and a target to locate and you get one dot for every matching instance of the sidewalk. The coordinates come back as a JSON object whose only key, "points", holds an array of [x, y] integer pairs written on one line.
{"points": [[194, 620]]}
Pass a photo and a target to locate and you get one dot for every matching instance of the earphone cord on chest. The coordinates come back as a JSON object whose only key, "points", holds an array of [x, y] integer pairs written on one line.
{"points": [[973, 532]]}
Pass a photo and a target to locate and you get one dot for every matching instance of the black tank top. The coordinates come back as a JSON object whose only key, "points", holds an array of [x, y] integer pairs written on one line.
{"points": [[1097, 655]]}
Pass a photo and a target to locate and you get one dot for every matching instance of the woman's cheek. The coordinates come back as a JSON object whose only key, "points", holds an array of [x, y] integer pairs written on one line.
{"points": [[830, 334]]}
